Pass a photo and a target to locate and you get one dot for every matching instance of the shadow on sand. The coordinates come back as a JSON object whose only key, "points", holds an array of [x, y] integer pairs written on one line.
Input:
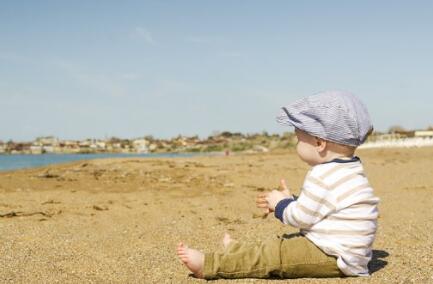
{"points": [[377, 262]]}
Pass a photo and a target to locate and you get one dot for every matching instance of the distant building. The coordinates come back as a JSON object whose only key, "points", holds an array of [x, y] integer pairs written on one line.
{"points": [[97, 145], [69, 146], [116, 146], [19, 148], [423, 133], [101, 145], [46, 144], [153, 147], [47, 141], [141, 145], [36, 148], [85, 146], [48, 149], [405, 133], [2, 147]]}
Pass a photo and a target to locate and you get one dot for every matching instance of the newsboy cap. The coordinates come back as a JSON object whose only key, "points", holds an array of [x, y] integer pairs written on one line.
{"points": [[336, 116]]}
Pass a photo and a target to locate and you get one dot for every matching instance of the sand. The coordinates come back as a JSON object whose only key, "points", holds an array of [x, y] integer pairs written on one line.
{"points": [[119, 220]]}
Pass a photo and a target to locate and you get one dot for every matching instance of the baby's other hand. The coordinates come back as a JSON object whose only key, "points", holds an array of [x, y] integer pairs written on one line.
{"points": [[261, 201]]}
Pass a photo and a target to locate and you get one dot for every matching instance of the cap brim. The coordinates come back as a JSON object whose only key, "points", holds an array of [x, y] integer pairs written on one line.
{"points": [[283, 118]]}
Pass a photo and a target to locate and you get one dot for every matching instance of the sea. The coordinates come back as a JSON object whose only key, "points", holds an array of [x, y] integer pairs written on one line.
{"points": [[23, 161]]}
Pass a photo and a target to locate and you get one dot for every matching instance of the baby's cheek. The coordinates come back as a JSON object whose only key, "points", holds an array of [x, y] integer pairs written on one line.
{"points": [[300, 150]]}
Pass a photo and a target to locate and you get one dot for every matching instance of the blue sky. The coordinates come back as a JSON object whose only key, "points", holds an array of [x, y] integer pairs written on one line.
{"points": [[79, 69]]}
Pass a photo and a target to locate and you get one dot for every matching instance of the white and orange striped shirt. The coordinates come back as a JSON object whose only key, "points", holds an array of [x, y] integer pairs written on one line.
{"points": [[337, 211]]}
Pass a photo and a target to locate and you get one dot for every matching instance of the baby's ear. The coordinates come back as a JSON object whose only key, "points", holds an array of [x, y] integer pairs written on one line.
{"points": [[320, 144]]}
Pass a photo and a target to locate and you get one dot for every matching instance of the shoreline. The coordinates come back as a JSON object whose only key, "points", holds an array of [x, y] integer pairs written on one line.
{"points": [[35, 163], [28, 161]]}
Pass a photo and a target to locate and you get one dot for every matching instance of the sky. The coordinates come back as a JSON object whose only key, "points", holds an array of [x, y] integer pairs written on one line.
{"points": [[98, 69]]}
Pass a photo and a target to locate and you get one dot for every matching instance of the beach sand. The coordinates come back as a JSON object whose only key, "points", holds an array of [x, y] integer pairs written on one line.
{"points": [[119, 220]]}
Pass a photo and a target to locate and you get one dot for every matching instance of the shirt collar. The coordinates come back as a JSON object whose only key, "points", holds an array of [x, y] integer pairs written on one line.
{"points": [[344, 160]]}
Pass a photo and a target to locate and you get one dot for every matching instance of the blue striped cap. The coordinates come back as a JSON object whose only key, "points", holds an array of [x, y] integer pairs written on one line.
{"points": [[333, 115]]}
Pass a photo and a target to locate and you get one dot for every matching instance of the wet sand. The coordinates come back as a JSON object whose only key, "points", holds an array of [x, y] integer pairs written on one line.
{"points": [[120, 220]]}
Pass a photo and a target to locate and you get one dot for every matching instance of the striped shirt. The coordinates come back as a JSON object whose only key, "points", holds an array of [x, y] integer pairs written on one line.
{"points": [[337, 211]]}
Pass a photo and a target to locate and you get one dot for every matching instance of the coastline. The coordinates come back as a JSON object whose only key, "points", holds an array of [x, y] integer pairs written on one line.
{"points": [[25, 161]]}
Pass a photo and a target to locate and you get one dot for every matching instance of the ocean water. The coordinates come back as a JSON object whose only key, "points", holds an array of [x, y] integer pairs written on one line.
{"points": [[13, 162]]}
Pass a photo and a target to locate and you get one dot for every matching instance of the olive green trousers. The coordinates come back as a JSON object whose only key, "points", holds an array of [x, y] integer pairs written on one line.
{"points": [[293, 256]]}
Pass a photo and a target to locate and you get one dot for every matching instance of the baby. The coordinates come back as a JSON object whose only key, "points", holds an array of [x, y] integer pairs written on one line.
{"points": [[336, 211]]}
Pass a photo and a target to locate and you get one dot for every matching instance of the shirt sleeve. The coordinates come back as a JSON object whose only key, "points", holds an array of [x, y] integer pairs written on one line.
{"points": [[315, 202]]}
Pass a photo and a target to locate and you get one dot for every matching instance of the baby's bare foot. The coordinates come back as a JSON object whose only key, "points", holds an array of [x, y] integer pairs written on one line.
{"points": [[227, 240], [193, 259]]}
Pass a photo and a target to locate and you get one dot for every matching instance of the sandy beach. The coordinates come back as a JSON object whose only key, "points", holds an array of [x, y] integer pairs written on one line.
{"points": [[119, 220]]}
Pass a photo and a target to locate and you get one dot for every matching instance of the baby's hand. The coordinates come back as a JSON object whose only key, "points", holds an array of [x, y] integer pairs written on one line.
{"points": [[269, 200]]}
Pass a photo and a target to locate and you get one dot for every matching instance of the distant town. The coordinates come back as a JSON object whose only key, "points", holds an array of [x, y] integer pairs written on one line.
{"points": [[218, 142]]}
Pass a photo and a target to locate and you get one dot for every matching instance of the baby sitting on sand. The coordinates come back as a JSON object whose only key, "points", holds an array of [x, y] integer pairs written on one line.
{"points": [[336, 211]]}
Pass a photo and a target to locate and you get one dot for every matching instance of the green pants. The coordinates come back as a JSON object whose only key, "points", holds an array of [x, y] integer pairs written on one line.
{"points": [[293, 256]]}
